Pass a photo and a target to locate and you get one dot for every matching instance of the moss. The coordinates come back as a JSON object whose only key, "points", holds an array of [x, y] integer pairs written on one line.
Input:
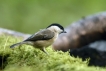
{"points": [[27, 58]]}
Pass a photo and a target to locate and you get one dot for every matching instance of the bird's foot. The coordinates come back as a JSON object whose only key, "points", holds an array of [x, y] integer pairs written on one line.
{"points": [[43, 49]]}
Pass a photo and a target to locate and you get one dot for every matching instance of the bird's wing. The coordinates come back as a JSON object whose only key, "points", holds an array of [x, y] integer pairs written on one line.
{"points": [[41, 35]]}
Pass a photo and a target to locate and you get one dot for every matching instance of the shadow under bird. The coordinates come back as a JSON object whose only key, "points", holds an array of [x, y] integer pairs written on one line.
{"points": [[43, 38]]}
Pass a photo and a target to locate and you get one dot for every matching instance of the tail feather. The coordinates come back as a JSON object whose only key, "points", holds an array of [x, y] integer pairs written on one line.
{"points": [[17, 44]]}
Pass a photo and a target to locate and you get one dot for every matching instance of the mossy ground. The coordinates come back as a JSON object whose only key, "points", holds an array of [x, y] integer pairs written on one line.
{"points": [[27, 58]]}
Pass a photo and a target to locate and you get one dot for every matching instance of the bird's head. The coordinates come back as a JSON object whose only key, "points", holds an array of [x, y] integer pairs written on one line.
{"points": [[57, 28]]}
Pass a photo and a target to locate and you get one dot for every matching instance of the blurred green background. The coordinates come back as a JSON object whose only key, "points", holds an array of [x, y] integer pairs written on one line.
{"points": [[29, 16]]}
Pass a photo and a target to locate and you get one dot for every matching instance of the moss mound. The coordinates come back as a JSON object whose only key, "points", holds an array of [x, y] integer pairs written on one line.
{"points": [[27, 58]]}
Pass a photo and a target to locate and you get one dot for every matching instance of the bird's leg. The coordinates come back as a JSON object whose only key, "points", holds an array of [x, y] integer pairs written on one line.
{"points": [[43, 49]]}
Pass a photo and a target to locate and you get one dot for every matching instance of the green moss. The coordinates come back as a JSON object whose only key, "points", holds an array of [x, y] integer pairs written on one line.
{"points": [[27, 58]]}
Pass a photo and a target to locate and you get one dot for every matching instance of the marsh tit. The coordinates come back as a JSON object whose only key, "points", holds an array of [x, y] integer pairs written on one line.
{"points": [[44, 37]]}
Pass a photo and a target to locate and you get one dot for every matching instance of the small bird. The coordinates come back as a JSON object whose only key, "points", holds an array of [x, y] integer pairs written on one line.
{"points": [[43, 38]]}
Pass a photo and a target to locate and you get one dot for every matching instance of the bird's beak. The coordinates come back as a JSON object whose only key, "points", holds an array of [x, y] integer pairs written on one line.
{"points": [[64, 32]]}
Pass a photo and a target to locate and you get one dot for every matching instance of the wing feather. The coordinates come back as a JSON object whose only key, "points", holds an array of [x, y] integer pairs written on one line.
{"points": [[41, 35]]}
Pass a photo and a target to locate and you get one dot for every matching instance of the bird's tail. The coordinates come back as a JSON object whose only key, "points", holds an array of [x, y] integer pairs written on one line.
{"points": [[17, 44]]}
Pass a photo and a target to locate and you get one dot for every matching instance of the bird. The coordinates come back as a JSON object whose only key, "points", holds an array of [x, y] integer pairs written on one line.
{"points": [[43, 38]]}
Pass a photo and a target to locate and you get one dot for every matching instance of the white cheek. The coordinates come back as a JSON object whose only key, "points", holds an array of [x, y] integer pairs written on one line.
{"points": [[57, 29], [60, 31]]}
